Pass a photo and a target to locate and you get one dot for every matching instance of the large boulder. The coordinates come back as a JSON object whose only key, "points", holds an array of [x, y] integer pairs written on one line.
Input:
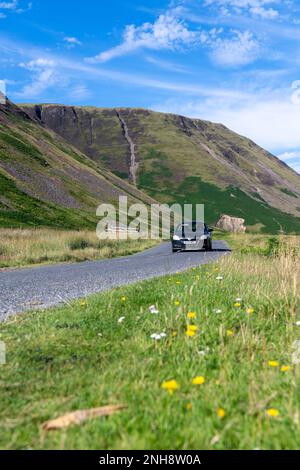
{"points": [[231, 224]]}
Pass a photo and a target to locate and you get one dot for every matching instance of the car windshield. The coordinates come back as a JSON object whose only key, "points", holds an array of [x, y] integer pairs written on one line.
{"points": [[190, 229]]}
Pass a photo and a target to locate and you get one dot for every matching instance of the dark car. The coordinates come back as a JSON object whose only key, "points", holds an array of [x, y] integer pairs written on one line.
{"points": [[192, 236]]}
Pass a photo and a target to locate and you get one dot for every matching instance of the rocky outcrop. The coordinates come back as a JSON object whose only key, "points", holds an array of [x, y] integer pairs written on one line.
{"points": [[231, 224]]}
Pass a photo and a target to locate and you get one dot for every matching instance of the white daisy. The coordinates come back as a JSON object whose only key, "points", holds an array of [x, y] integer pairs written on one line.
{"points": [[153, 309]]}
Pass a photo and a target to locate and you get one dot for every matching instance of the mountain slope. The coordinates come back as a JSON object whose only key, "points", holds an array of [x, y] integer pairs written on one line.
{"points": [[176, 159], [47, 182]]}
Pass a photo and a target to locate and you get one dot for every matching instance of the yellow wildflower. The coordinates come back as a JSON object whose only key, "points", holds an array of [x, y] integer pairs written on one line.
{"points": [[178, 282], [192, 328], [273, 413], [221, 413], [237, 304], [285, 368], [190, 333], [83, 303], [177, 303], [230, 333], [250, 311], [273, 363], [189, 406], [123, 299], [191, 315], [198, 380], [170, 386]]}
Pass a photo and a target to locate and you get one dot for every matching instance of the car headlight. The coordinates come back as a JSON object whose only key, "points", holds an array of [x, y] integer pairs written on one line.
{"points": [[176, 237], [203, 237]]}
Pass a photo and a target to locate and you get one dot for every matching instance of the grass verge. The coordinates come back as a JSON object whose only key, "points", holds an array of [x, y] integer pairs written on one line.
{"points": [[45, 246], [82, 356]]}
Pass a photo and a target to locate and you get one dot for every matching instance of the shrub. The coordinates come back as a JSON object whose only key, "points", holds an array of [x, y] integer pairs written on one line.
{"points": [[79, 244]]}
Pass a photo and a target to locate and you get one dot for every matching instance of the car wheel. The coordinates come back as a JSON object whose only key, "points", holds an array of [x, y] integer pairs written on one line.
{"points": [[208, 246]]}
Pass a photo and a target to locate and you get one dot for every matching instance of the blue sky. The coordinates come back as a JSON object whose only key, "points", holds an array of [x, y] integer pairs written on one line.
{"points": [[230, 61]]}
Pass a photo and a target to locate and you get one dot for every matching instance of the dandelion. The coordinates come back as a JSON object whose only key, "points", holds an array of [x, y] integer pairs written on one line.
{"points": [[273, 363], [123, 299], [273, 412], [221, 413], [285, 368], [178, 282], [174, 334], [250, 311], [121, 319], [191, 315], [171, 386], [189, 406], [153, 309], [177, 303], [230, 333], [190, 333], [198, 380], [237, 304], [192, 328]]}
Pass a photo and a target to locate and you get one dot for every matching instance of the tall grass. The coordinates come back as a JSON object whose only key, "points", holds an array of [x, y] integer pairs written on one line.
{"points": [[38, 246], [81, 356]]}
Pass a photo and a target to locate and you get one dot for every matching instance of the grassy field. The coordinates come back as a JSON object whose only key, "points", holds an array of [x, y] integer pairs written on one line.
{"points": [[221, 378], [39, 246]]}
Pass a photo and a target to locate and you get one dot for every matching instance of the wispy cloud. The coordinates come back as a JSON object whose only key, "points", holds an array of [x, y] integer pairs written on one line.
{"points": [[268, 116], [260, 8], [291, 158], [44, 75], [167, 32], [72, 41], [13, 6], [171, 32], [241, 49], [166, 65]]}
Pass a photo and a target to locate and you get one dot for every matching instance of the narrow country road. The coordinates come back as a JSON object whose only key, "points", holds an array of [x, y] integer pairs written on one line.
{"points": [[46, 286]]}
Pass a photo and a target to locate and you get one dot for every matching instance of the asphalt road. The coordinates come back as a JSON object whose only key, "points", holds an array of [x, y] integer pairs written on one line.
{"points": [[46, 286]]}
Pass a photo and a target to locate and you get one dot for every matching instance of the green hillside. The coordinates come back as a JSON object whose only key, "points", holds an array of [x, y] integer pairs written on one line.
{"points": [[184, 160], [46, 182]]}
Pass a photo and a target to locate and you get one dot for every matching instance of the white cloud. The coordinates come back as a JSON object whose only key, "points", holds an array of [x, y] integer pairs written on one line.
{"points": [[37, 64], [267, 14], [72, 41], [44, 76], [12, 6], [166, 65], [167, 32], [79, 92], [9, 5], [291, 158], [269, 118], [239, 50], [259, 8], [288, 156]]}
